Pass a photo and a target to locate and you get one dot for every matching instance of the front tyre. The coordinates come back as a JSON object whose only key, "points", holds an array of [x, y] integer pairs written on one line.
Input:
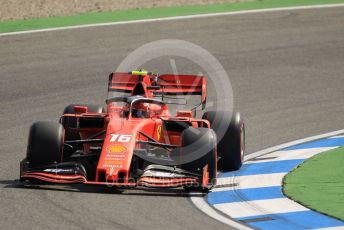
{"points": [[45, 145], [193, 142]]}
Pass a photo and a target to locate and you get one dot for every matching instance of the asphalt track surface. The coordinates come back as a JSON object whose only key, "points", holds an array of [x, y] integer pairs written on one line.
{"points": [[286, 70]]}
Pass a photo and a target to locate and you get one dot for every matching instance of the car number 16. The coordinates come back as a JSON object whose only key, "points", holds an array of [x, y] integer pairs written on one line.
{"points": [[120, 138]]}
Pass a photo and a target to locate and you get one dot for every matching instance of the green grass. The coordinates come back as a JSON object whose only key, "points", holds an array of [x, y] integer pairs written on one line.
{"points": [[319, 183], [116, 16]]}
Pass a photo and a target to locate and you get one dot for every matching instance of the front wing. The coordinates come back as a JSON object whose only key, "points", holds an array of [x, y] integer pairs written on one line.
{"points": [[155, 176]]}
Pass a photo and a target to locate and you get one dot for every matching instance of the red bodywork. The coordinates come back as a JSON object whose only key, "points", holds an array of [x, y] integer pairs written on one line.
{"points": [[121, 136]]}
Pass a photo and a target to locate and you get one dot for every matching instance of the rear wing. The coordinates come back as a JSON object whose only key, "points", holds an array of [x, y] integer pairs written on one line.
{"points": [[148, 84], [122, 82]]}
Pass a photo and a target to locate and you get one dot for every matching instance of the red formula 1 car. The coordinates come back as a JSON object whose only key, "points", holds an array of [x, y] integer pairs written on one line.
{"points": [[135, 141]]}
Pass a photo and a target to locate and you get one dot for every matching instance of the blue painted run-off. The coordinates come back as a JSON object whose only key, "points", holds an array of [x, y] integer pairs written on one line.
{"points": [[292, 220], [282, 221], [283, 166], [329, 142], [245, 195]]}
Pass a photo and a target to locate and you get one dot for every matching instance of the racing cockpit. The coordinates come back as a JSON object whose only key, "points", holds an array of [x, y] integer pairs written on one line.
{"points": [[137, 106]]}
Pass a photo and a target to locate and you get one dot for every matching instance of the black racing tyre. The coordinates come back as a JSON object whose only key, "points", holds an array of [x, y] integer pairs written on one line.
{"points": [[231, 147], [45, 145], [194, 140]]}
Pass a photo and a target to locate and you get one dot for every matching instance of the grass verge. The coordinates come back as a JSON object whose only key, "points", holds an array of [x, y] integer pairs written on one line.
{"points": [[126, 15], [319, 183]]}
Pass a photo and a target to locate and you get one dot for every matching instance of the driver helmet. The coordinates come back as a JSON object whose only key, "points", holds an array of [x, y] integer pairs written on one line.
{"points": [[141, 110]]}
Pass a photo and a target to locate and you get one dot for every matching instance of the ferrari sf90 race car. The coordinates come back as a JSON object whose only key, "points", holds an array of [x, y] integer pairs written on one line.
{"points": [[135, 141]]}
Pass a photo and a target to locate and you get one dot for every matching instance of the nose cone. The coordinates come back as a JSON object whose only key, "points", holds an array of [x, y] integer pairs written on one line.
{"points": [[114, 162]]}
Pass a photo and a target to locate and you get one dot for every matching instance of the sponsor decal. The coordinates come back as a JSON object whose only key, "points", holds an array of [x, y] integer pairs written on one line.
{"points": [[117, 157], [112, 166], [115, 164], [159, 132], [116, 149], [59, 170]]}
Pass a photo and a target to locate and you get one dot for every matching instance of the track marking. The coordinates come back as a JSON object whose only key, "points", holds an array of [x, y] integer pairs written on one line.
{"points": [[254, 181], [231, 196], [175, 18], [202, 204], [289, 144], [291, 154], [254, 208], [332, 228], [267, 207], [299, 220], [329, 142]]}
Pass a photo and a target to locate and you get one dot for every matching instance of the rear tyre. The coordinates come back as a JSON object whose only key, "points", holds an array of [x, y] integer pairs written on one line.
{"points": [[231, 146], [45, 144], [193, 142]]}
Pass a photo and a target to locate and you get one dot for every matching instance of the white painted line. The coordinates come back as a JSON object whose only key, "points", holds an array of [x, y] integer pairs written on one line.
{"points": [[291, 155], [331, 228], [252, 181], [202, 205], [176, 18], [339, 136], [292, 143], [260, 207]]}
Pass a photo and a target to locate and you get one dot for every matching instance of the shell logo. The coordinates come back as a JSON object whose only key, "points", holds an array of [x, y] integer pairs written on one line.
{"points": [[117, 149]]}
